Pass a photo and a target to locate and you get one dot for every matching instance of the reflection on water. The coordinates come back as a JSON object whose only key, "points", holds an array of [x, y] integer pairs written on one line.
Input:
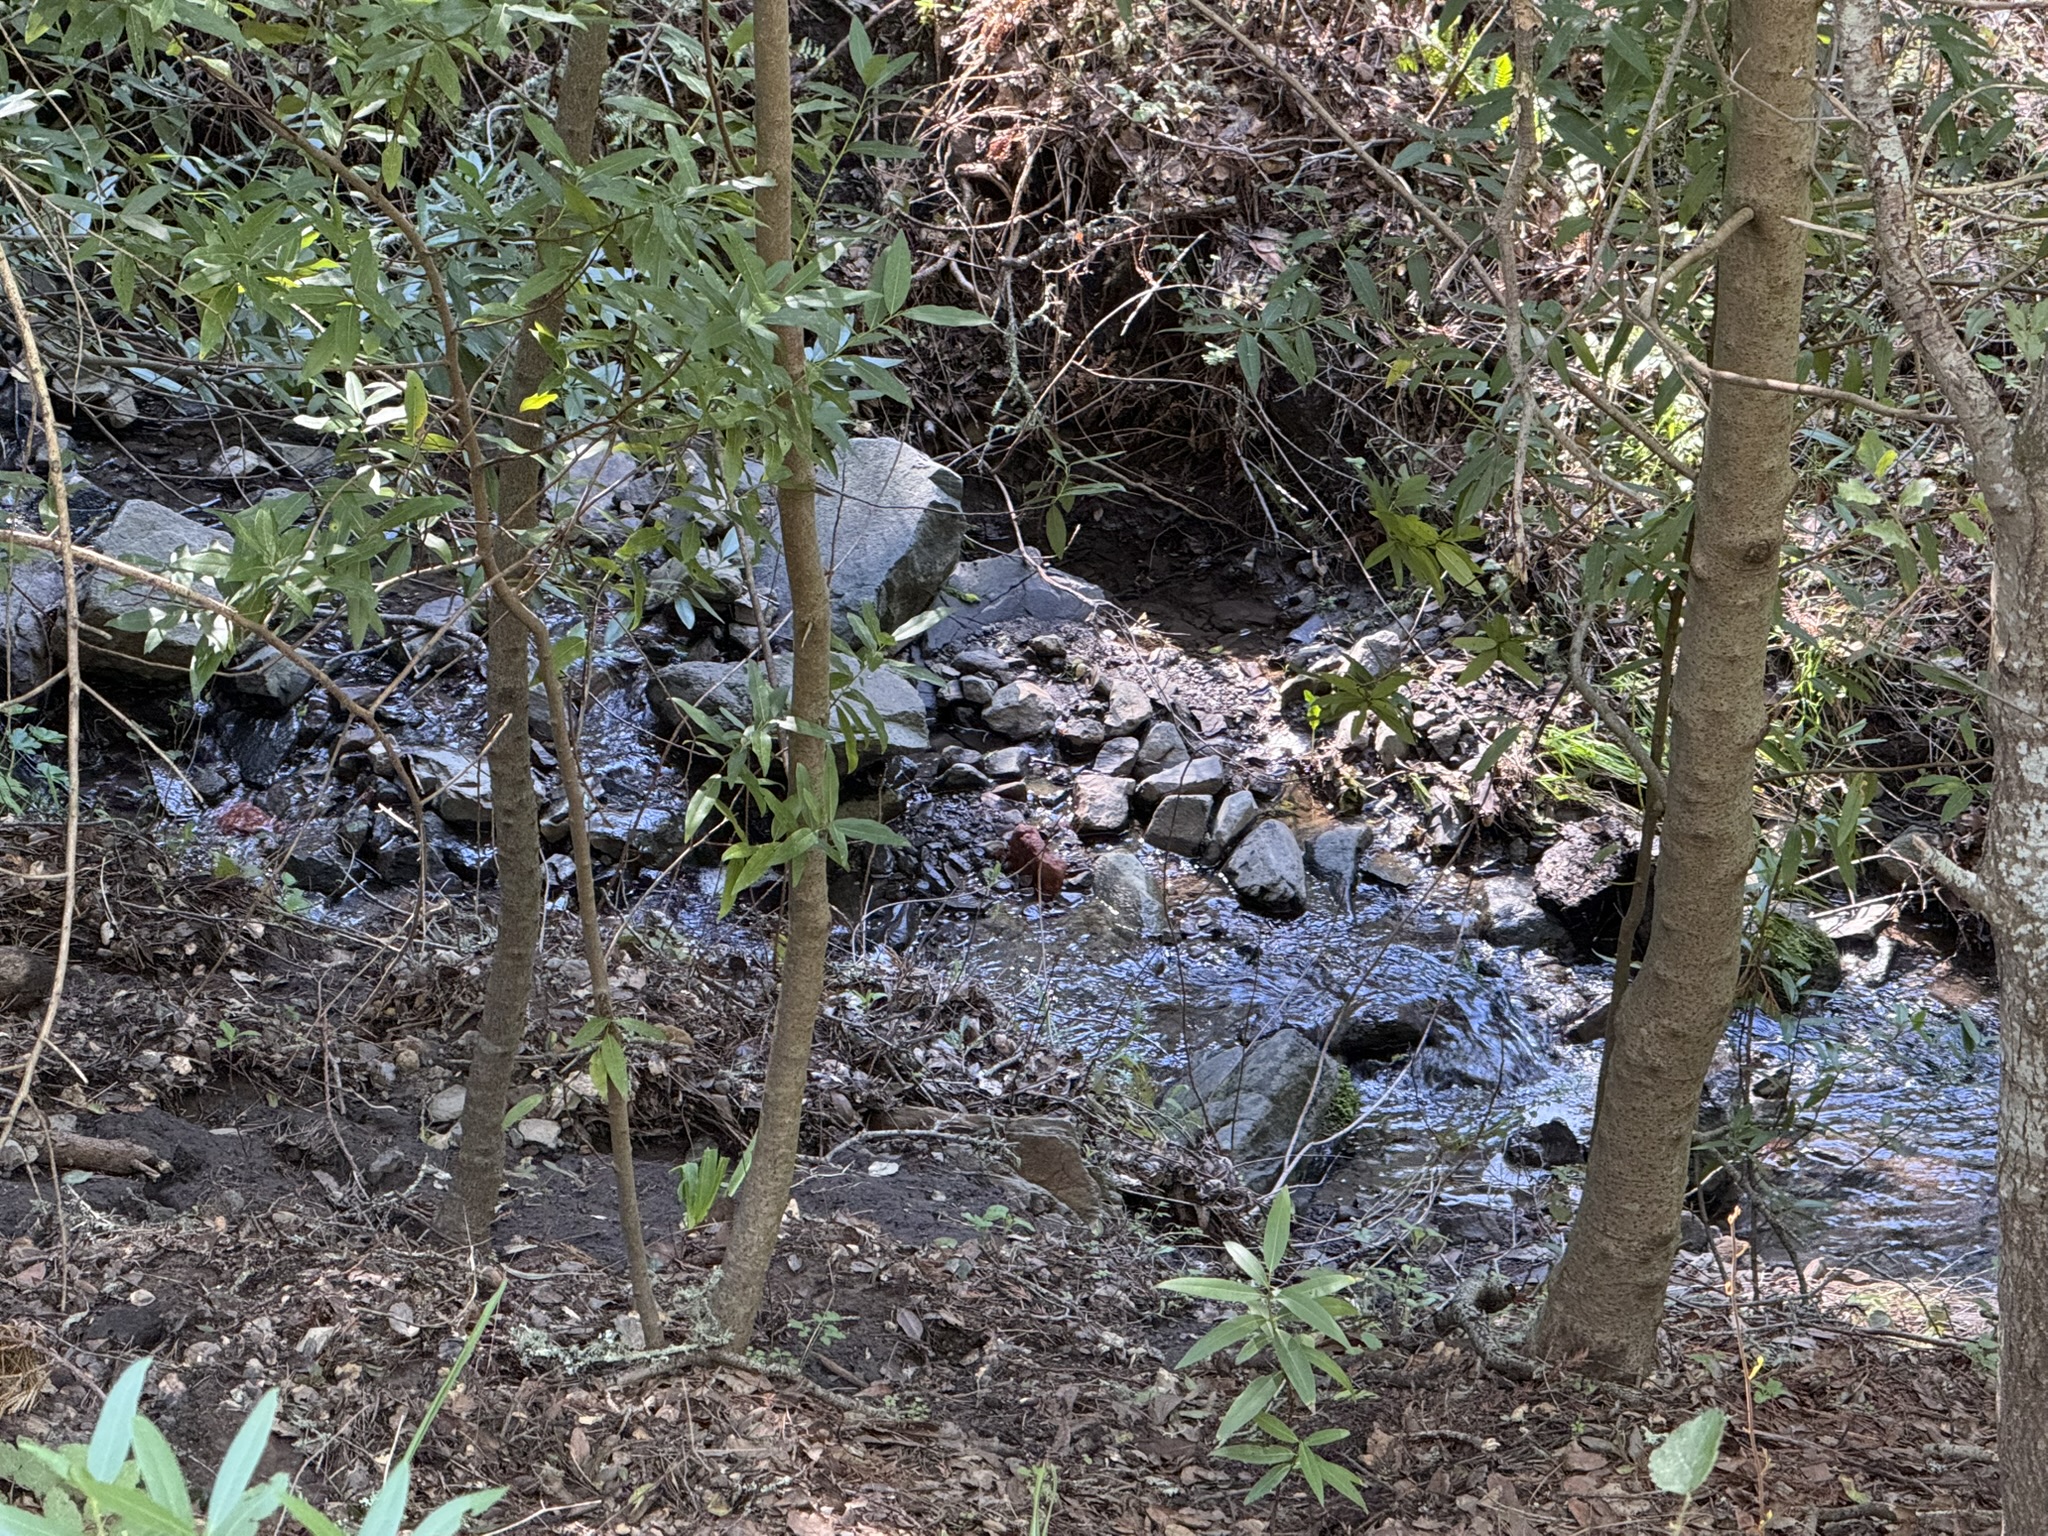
{"points": [[1894, 1175]]}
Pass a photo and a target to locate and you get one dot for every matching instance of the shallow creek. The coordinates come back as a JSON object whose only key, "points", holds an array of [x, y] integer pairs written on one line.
{"points": [[1895, 1177]]}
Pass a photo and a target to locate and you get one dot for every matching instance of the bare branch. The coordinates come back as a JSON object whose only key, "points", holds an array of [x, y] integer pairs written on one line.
{"points": [[1888, 168]]}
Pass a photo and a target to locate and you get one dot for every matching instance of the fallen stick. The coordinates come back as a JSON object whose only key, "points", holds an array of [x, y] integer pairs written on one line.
{"points": [[69, 1150]]}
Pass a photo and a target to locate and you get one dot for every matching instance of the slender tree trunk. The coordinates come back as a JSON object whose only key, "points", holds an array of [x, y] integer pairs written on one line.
{"points": [[515, 818], [1606, 1299], [2010, 885], [743, 1280]]}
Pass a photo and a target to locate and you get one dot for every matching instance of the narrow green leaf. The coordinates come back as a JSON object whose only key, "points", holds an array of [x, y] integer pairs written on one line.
{"points": [[160, 1472], [115, 1430], [239, 1465]]}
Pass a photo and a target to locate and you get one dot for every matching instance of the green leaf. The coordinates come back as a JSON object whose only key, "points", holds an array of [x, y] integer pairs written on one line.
{"points": [[1681, 1464], [239, 1465], [115, 1431], [310, 1517], [19, 1522], [160, 1472], [1247, 1261], [1222, 1336], [448, 1518], [388, 1508], [1254, 1400], [1211, 1288], [1496, 749], [943, 314], [1279, 1224], [522, 1109], [1317, 1316], [1293, 1356]]}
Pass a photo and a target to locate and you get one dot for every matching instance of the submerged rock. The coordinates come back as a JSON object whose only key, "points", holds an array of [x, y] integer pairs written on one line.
{"points": [[1462, 1028]]}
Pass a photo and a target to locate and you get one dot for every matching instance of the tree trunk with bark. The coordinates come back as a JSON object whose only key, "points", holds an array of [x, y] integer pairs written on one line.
{"points": [[743, 1278], [466, 1213], [1606, 1299], [2009, 887]]}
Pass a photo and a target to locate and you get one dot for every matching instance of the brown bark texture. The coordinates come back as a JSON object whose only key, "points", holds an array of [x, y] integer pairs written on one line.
{"points": [[508, 667], [2009, 887], [1606, 1299], [743, 1278]]}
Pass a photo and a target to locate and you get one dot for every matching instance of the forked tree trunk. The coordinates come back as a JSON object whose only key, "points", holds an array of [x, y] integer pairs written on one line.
{"points": [[1606, 1298], [743, 1279], [2010, 885], [466, 1213]]}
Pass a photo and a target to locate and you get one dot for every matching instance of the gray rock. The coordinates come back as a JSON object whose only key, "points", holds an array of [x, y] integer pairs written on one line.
{"points": [[1381, 651], [1203, 776], [889, 531], [235, 462], [446, 1107], [267, 677], [1008, 763], [715, 688], [984, 663], [591, 480], [1130, 890], [1253, 1098], [1081, 736], [148, 534], [1462, 1028], [1128, 709], [441, 633], [650, 834], [1180, 825], [316, 860], [1335, 854], [1101, 805], [961, 779], [456, 785], [1233, 819], [1514, 918], [1163, 748], [881, 710], [31, 613], [1118, 757], [1009, 587], [1266, 870], [260, 744], [545, 1134], [1390, 866], [1047, 648], [978, 691], [1584, 881], [1022, 711]]}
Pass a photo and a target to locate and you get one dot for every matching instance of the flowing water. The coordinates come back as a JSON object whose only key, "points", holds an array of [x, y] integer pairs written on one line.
{"points": [[1896, 1090]]}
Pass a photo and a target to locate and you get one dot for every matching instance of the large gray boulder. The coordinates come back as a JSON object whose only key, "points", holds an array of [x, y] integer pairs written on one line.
{"points": [[1460, 1028], [882, 711], [1266, 870], [714, 688], [1254, 1098], [1009, 587], [889, 531], [151, 535]]}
